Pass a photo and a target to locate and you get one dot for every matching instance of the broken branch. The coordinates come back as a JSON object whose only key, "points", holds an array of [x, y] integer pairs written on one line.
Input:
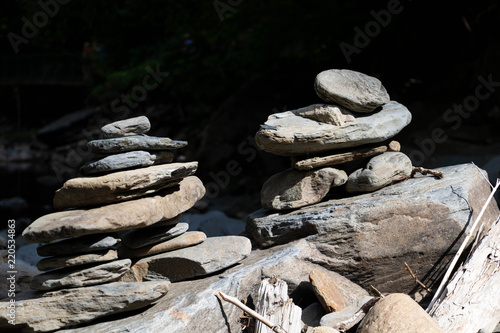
{"points": [[416, 279]]}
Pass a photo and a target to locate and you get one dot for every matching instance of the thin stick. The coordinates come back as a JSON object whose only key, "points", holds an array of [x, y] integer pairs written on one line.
{"points": [[235, 301], [482, 174], [425, 171], [416, 279], [460, 250], [375, 291]]}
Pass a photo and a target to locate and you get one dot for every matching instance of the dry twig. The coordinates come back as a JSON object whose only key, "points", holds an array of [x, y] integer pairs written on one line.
{"points": [[375, 291], [425, 171], [417, 281], [235, 301]]}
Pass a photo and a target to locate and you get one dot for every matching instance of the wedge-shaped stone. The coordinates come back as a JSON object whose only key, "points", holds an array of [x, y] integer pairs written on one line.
{"points": [[366, 237], [68, 307], [134, 142], [187, 239], [356, 91], [120, 186], [324, 113], [127, 127], [294, 189], [327, 291], [214, 254], [76, 260], [287, 134], [147, 236], [380, 171], [84, 244], [126, 215], [80, 276], [132, 159]]}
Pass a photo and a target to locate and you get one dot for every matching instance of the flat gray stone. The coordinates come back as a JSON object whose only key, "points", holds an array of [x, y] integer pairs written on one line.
{"points": [[353, 90], [80, 277], [214, 254], [70, 307], [421, 220], [184, 240], [380, 171], [132, 214], [134, 142], [133, 159], [287, 134], [76, 260], [127, 127], [294, 189], [121, 186], [84, 244], [147, 236]]}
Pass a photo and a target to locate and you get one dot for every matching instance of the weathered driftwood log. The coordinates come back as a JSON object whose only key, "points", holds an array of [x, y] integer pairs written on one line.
{"points": [[275, 305], [316, 162], [469, 303]]}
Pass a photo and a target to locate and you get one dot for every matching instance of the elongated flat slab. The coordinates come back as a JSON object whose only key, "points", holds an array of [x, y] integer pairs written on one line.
{"points": [[80, 277], [287, 134], [134, 142], [120, 186], [126, 215], [84, 244], [147, 236], [65, 308], [75, 260], [132, 159]]}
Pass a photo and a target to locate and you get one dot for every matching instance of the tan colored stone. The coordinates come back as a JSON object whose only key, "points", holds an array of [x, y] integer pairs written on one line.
{"points": [[327, 291], [126, 215], [75, 260], [185, 240], [294, 189], [324, 329], [324, 113], [397, 313], [120, 186]]}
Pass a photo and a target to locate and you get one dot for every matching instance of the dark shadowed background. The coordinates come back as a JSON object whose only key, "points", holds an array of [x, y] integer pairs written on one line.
{"points": [[210, 72]]}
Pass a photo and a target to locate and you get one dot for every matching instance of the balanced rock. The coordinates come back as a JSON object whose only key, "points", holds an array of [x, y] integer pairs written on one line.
{"points": [[327, 291], [80, 277], [126, 215], [293, 188], [76, 260], [324, 113], [127, 127], [214, 254], [397, 313], [415, 221], [68, 307], [120, 186], [134, 142], [84, 244], [287, 134], [353, 90], [380, 171], [147, 236], [187, 239], [133, 159]]}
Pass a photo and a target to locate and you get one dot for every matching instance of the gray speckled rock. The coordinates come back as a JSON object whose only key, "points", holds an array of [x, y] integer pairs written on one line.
{"points": [[134, 142], [84, 244], [287, 134], [294, 189], [127, 127], [380, 171], [128, 160], [132, 214], [147, 236], [324, 113], [121, 186], [353, 90], [80, 277], [68, 307], [76, 260]]}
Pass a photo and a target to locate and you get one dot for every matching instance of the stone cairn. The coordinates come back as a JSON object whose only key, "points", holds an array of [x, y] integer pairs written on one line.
{"points": [[320, 136], [123, 221]]}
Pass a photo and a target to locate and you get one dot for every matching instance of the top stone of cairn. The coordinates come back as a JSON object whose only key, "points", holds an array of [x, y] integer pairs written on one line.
{"points": [[127, 127], [352, 90]]}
